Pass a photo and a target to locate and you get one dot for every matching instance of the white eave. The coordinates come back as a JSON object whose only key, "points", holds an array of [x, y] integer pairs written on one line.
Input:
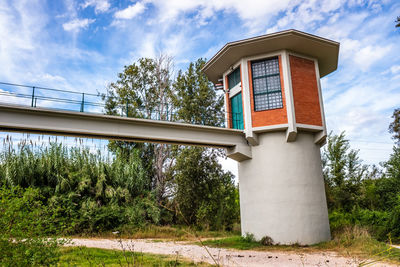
{"points": [[325, 50]]}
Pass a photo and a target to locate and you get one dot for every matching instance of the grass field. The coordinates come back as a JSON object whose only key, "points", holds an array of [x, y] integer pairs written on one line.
{"points": [[82, 256]]}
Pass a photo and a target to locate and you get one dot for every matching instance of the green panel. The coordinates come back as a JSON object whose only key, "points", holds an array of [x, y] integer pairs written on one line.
{"points": [[237, 112]]}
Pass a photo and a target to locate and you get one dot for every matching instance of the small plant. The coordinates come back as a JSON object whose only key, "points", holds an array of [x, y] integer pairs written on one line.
{"points": [[248, 237], [267, 241]]}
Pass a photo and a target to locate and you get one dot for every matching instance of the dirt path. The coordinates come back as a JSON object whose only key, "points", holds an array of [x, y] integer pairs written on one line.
{"points": [[225, 257]]}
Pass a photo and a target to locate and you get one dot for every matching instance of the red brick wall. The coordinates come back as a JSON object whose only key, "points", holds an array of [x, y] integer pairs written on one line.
{"points": [[268, 117], [305, 91]]}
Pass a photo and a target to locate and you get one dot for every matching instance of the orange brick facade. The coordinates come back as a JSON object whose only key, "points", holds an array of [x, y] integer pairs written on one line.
{"points": [[268, 117], [305, 91]]}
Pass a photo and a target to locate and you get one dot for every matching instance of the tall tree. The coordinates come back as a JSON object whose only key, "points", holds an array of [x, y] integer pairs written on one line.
{"points": [[204, 193], [343, 173], [143, 90], [195, 98], [392, 166]]}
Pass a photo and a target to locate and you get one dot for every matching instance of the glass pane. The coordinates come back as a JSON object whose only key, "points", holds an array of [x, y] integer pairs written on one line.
{"points": [[272, 66], [261, 102], [234, 78], [275, 100], [260, 85], [273, 83], [258, 69]]}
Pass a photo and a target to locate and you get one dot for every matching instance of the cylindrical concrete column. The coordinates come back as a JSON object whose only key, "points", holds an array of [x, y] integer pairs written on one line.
{"points": [[282, 193]]}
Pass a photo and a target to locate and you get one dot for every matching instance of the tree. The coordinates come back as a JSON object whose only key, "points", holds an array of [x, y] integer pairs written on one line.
{"points": [[195, 99], [143, 90], [343, 173], [394, 127], [204, 194]]}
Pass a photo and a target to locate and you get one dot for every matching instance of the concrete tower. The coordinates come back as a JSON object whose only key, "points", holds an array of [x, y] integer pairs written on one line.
{"points": [[273, 93]]}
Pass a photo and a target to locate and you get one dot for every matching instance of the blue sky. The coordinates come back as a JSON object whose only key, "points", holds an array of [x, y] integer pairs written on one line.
{"points": [[82, 45]]}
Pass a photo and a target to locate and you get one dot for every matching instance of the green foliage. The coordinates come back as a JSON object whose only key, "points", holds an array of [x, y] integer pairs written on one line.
{"points": [[85, 191], [358, 196], [343, 173], [143, 90], [205, 194], [394, 221], [24, 225], [196, 99], [394, 127], [377, 222]]}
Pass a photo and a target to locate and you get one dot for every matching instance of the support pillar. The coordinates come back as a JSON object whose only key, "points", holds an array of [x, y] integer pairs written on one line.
{"points": [[282, 193]]}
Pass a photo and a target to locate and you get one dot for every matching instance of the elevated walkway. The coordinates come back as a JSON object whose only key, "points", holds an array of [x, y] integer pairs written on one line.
{"points": [[69, 123]]}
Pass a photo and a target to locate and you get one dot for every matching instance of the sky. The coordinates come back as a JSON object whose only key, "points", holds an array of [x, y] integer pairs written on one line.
{"points": [[83, 45]]}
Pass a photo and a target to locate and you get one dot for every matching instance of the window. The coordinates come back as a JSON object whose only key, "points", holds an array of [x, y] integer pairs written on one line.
{"points": [[266, 84], [234, 78]]}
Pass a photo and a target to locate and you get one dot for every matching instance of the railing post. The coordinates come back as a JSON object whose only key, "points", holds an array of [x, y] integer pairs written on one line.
{"points": [[167, 113], [83, 102], [33, 96], [127, 108]]}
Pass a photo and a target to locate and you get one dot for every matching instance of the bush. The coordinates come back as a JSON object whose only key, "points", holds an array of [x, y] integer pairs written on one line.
{"points": [[377, 222], [394, 221], [24, 224]]}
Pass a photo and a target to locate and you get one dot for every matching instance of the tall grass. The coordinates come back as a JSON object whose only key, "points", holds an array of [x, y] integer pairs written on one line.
{"points": [[88, 190]]}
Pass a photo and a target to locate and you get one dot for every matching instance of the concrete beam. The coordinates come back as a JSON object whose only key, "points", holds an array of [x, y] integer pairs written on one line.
{"points": [[68, 123]]}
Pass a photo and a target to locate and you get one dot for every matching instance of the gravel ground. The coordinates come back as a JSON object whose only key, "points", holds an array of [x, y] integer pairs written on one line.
{"points": [[225, 257]]}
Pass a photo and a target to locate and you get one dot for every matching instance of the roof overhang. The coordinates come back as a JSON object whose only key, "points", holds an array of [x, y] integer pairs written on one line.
{"points": [[324, 50]]}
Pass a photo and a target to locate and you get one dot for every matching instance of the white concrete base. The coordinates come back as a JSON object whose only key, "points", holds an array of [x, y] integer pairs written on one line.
{"points": [[282, 193]]}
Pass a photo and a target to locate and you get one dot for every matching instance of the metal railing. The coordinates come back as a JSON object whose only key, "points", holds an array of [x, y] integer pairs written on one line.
{"points": [[36, 96]]}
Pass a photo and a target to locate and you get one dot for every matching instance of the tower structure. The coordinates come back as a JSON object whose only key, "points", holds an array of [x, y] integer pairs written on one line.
{"points": [[273, 93]]}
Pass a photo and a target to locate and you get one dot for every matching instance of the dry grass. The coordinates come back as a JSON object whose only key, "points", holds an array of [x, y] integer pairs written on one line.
{"points": [[163, 233]]}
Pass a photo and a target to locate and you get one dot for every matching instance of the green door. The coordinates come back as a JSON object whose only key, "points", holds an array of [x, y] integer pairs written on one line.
{"points": [[237, 112]]}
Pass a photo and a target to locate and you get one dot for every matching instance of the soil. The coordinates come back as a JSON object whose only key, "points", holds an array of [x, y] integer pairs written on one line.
{"points": [[224, 257]]}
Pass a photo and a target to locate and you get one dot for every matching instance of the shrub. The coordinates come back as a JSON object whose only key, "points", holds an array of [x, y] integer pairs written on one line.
{"points": [[375, 221], [24, 224]]}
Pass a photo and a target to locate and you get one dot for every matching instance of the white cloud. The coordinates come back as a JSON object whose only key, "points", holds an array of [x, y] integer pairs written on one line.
{"points": [[395, 69], [100, 6], [11, 98], [76, 25], [48, 78], [147, 48], [131, 11], [21, 31], [367, 56], [254, 13]]}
